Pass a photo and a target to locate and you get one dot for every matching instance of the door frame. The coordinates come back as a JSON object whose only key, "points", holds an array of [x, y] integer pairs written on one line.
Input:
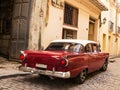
{"points": [[27, 32]]}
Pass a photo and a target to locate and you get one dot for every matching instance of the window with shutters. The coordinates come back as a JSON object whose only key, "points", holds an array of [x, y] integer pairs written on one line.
{"points": [[70, 15]]}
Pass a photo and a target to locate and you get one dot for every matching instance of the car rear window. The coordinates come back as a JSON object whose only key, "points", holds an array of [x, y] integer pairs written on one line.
{"points": [[72, 47]]}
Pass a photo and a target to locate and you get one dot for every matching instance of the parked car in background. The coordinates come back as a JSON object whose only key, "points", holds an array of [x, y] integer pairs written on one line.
{"points": [[66, 58]]}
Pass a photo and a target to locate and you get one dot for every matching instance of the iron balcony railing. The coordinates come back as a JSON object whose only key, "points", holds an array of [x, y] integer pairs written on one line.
{"points": [[111, 24]]}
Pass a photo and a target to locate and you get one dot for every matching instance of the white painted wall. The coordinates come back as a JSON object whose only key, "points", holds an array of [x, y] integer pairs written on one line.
{"points": [[54, 28], [83, 25], [55, 23]]}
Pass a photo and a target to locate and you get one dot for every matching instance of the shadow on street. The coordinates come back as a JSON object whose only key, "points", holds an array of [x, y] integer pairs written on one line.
{"points": [[55, 83]]}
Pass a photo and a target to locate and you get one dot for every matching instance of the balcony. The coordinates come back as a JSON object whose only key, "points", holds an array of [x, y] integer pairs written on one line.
{"points": [[111, 24], [113, 2], [99, 4]]}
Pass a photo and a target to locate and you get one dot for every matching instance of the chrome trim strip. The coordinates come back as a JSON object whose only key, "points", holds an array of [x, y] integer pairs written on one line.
{"points": [[66, 61]]}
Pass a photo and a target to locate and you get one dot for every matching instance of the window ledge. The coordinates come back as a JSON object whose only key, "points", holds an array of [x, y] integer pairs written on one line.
{"points": [[70, 27]]}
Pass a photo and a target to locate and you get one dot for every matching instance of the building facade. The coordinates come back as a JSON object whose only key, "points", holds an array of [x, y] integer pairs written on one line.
{"points": [[33, 24], [19, 20], [72, 19], [110, 31]]}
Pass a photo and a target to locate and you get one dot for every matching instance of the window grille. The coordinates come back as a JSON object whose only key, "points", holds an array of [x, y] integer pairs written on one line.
{"points": [[70, 15]]}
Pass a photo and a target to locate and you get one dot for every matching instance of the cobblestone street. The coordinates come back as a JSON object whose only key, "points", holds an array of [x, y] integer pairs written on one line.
{"points": [[108, 80]]}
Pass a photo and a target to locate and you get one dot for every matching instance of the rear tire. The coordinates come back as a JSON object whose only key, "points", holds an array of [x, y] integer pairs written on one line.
{"points": [[104, 67], [81, 77]]}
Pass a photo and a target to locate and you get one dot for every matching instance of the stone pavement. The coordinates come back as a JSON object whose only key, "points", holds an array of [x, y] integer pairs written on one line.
{"points": [[108, 80], [13, 79], [9, 68]]}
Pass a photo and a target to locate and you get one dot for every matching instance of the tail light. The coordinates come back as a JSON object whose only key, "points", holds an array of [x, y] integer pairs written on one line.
{"points": [[64, 62], [22, 56]]}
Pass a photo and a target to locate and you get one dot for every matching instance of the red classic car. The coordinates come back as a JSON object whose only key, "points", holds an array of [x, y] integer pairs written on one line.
{"points": [[66, 59]]}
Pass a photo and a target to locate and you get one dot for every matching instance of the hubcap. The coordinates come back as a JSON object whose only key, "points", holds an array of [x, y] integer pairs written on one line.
{"points": [[83, 75], [105, 65]]}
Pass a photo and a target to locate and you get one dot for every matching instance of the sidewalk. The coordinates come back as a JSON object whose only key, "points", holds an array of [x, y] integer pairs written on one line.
{"points": [[112, 59], [9, 68]]}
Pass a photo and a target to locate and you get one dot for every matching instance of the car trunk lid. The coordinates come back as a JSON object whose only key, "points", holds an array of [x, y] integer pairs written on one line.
{"points": [[44, 59]]}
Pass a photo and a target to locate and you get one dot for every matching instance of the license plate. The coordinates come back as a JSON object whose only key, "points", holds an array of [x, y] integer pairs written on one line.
{"points": [[41, 65]]}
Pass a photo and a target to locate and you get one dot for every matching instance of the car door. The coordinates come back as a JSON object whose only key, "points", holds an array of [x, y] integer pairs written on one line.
{"points": [[95, 51], [91, 57], [100, 59], [99, 56]]}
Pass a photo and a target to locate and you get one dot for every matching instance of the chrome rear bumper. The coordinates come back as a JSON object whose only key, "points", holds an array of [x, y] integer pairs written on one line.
{"points": [[46, 72]]}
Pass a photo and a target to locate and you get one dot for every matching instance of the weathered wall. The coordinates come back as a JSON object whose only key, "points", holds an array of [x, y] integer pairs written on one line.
{"points": [[83, 25], [53, 29], [112, 39], [43, 31], [55, 22], [37, 23]]}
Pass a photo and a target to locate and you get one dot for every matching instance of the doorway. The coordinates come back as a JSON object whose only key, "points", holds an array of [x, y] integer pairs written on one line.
{"points": [[6, 12], [14, 27], [104, 42], [91, 32]]}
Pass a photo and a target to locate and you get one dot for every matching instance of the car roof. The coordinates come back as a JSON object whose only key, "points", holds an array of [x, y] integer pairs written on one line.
{"points": [[83, 42]]}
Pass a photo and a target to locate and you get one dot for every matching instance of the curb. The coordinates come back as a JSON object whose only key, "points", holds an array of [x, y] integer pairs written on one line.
{"points": [[111, 60], [13, 75], [113, 57]]}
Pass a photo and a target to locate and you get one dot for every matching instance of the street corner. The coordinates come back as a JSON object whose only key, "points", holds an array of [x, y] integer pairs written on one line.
{"points": [[11, 73], [10, 68], [3, 60], [111, 60], [5, 63]]}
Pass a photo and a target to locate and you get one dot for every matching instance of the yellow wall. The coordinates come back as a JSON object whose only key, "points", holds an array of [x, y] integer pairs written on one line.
{"points": [[111, 38]]}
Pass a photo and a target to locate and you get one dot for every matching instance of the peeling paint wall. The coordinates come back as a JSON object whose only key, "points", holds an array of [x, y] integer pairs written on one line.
{"points": [[54, 28], [45, 28], [37, 23]]}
